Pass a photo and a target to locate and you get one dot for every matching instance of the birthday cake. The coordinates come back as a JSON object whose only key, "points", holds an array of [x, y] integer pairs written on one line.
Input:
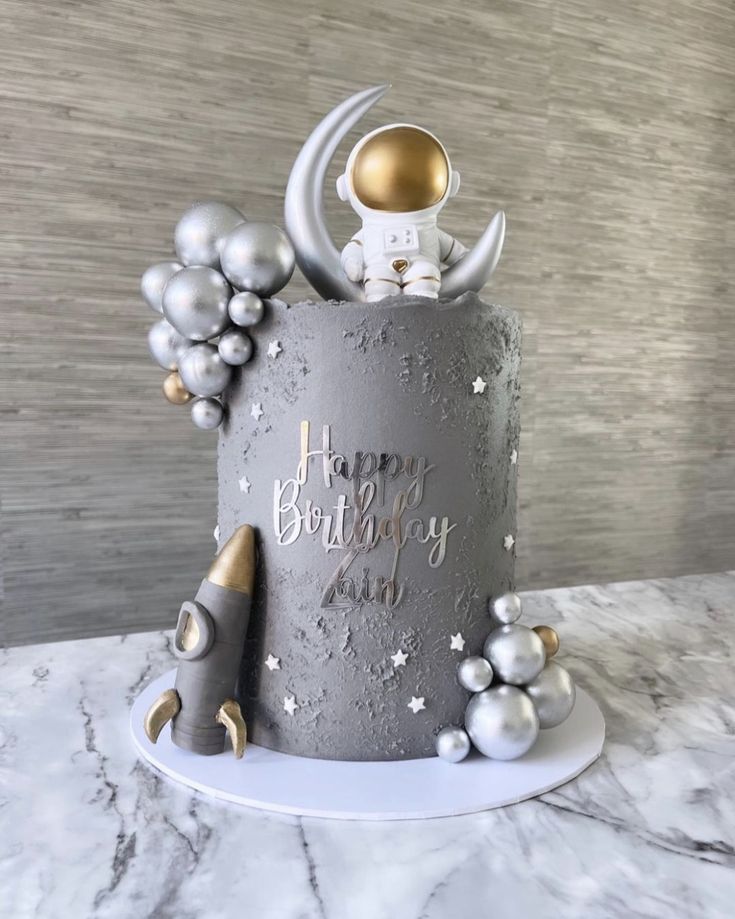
{"points": [[373, 448], [362, 603]]}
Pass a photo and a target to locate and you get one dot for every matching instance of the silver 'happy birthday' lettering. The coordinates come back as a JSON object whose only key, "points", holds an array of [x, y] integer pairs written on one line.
{"points": [[360, 531]]}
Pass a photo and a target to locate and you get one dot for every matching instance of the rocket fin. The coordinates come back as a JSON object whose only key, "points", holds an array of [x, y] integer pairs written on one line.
{"points": [[230, 716], [166, 707]]}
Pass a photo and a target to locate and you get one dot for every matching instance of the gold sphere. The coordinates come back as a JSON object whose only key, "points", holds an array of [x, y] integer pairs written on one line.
{"points": [[400, 169], [175, 391], [549, 637]]}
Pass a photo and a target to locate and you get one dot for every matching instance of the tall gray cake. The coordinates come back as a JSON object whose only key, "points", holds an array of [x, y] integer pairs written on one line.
{"points": [[373, 448]]}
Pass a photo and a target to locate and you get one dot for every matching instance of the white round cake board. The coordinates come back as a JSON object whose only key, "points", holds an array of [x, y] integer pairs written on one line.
{"points": [[397, 790]]}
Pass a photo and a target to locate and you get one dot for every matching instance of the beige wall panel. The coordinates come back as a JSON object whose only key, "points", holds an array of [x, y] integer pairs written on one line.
{"points": [[606, 132]]}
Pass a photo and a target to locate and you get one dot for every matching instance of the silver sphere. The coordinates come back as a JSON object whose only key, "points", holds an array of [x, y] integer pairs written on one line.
{"points": [[516, 653], [235, 347], [452, 744], [553, 693], [502, 722], [203, 372], [258, 257], [246, 309], [166, 345], [195, 302], [201, 231], [506, 609], [475, 673], [154, 280], [207, 414]]}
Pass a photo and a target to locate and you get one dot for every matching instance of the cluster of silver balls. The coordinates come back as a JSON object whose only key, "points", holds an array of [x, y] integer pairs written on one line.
{"points": [[226, 266], [518, 690]]}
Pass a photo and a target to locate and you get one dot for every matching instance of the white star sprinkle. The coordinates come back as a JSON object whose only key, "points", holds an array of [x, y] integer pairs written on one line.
{"points": [[478, 385], [289, 704], [416, 705], [457, 643], [245, 485], [399, 659], [215, 533], [273, 663], [513, 457], [508, 542], [274, 348], [257, 410]]}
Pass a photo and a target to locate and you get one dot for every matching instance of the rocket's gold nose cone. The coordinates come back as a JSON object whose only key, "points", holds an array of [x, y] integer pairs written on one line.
{"points": [[234, 567], [400, 169]]}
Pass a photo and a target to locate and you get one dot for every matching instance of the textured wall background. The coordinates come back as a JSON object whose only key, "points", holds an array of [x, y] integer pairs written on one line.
{"points": [[604, 129]]}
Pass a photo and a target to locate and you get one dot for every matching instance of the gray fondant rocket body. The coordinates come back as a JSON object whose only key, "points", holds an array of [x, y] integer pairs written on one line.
{"points": [[208, 643]]}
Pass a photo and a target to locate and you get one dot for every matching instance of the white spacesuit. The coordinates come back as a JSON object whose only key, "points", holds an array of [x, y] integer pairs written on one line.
{"points": [[397, 180]]}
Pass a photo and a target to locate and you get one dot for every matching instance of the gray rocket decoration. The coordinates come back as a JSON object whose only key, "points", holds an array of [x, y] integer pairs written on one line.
{"points": [[208, 298], [208, 643], [517, 689]]}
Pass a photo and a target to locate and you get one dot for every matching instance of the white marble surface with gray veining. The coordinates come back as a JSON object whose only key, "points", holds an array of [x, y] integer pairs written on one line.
{"points": [[86, 830]]}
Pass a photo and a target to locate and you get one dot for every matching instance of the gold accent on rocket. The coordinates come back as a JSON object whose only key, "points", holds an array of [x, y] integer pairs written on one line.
{"points": [[166, 707], [190, 635], [402, 168], [549, 637], [230, 716], [234, 567]]}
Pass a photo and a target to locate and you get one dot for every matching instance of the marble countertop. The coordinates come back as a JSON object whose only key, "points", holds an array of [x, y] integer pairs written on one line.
{"points": [[87, 830]]}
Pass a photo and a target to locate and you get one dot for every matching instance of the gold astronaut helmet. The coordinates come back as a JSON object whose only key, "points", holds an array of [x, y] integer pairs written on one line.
{"points": [[399, 168]]}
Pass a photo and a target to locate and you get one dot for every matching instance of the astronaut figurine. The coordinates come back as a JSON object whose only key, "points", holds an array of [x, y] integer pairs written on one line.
{"points": [[397, 180]]}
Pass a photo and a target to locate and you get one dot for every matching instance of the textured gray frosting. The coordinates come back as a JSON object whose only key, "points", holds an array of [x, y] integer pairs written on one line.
{"points": [[393, 377]]}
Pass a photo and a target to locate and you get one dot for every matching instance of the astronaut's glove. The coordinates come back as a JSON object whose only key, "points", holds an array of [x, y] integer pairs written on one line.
{"points": [[352, 260], [353, 268]]}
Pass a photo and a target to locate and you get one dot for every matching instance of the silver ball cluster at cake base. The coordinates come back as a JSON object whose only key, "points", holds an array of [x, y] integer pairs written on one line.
{"points": [[154, 280], [200, 305], [200, 233], [517, 691], [258, 257], [167, 345], [453, 744]]}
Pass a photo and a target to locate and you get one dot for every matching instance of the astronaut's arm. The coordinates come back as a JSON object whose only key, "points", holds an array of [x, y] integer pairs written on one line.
{"points": [[352, 258], [451, 250]]}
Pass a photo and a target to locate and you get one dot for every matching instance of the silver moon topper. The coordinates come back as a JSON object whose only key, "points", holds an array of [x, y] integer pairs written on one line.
{"points": [[316, 253]]}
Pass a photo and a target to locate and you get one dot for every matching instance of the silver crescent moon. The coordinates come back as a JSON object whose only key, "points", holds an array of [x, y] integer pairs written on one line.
{"points": [[476, 266], [316, 254]]}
